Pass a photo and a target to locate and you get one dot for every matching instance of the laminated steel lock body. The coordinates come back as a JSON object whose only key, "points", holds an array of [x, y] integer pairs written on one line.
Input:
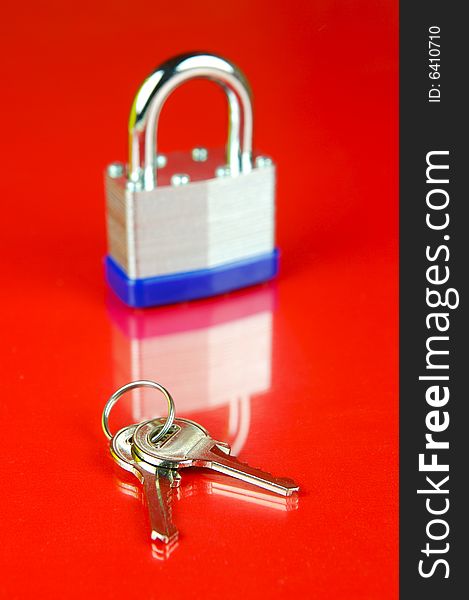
{"points": [[189, 224]]}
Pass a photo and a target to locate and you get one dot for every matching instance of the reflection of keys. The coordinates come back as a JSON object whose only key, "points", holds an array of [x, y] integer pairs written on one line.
{"points": [[217, 485], [164, 551], [234, 489], [157, 485], [259, 498], [189, 445]]}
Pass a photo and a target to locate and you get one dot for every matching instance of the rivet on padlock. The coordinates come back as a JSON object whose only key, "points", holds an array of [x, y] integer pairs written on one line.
{"points": [[200, 222]]}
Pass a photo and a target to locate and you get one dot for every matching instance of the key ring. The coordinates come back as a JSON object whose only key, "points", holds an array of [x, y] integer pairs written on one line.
{"points": [[130, 386]]}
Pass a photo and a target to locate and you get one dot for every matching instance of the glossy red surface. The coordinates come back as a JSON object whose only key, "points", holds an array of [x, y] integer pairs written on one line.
{"points": [[300, 374]]}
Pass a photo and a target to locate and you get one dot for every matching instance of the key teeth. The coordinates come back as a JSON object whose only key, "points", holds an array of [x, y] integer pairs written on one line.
{"points": [[169, 501], [285, 481]]}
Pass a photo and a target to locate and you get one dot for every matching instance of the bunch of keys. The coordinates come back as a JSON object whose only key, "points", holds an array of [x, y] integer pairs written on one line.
{"points": [[155, 450]]}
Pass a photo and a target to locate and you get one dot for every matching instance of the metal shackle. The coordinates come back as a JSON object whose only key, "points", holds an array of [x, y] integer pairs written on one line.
{"points": [[157, 87]]}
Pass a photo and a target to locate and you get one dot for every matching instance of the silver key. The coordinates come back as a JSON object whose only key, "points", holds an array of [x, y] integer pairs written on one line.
{"points": [[189, 445], [157, 485]]}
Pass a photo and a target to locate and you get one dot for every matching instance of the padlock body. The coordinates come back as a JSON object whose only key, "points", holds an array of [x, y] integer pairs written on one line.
{"points": [[177, 243]]}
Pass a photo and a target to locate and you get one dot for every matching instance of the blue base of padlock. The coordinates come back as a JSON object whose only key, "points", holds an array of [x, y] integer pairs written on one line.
{"points": [[169, 289]]}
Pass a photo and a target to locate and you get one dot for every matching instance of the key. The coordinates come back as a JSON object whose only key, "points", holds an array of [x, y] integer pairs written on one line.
{"points": [[189, 445], [157, 485]]}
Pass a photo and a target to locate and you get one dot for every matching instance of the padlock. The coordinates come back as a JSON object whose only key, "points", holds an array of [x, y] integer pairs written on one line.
{"points": [[189, 224]]}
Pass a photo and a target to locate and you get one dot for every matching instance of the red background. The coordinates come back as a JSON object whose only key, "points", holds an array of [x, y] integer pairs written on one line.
{"points": [[324, 76]]}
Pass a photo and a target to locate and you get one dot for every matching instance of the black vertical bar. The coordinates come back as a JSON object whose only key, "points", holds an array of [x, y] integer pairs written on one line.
{"points": [[432, 119]]}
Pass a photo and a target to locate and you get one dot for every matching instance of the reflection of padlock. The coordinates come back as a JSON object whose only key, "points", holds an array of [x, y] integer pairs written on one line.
{"points": [[223, 348], [207, 226]]}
